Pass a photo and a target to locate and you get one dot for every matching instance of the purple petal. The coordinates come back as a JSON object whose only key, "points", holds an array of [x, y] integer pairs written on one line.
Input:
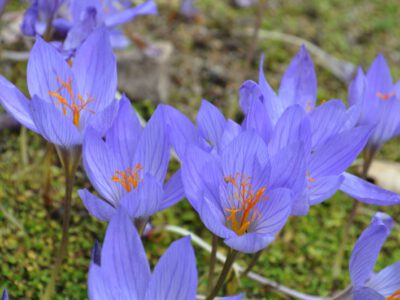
{"points": [[102, 120], [53, 125], [249, 92], [175, 275], [173, 190], [153, 148], [323, 188], [231, 131], [124, 260], [249, 242], [79, 7], [367, 248], [338, 152], [15, 103], [378, 77], [211, 122], [357, 88], [127, 15], [98, 287], [100, 165], [299, 83], [95, 69], [46, 69], [145, 200], [125, 132], [235, 297], [367, 192], [5, 295], [387, 281], [97, 207], [367, 294]]}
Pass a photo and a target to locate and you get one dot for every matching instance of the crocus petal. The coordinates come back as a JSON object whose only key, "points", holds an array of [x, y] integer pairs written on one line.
{"points": [[322, 188], [273, 104], [235, 297], [273, 212], [145, 200], [98, 289], [97, 207], [378, 77], [46, 69], [338, 152], [211, 122], [367, 192], [387, 281], [231, 131], [249, 92], [238, 157], [78, 8], [250, 242], [153, 148], [367, 248], [100, 165], [327, 120], [299, 83], [53, 125], [126, 15], [181, 130], [95, 70], [175, 275], [125, 132], [5, 295], [292, 127], [173, 191], [15, 103], [102, 120], [363, 293], [124, 259]]}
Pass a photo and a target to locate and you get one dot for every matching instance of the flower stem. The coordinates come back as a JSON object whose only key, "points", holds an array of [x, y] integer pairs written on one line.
{"points": [[230, 259], [70, 159], [140, 224], [252, 263], [213, 260]]}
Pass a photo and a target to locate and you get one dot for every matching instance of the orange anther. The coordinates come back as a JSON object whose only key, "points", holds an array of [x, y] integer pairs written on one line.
{"points": [[129, 179], [385, 96], [394, 296]]}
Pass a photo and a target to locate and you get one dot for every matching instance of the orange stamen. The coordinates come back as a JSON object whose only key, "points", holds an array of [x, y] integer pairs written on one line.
{"points": [[240, 218], [310, 179], [385, 96], [309, 106], [129, 179], [74, 107], [394, 296]]}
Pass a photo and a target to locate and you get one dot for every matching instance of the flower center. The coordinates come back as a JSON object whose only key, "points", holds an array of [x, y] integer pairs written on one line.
{"points": [[77, 104], [244, 213], [129, 179], [385, 96], [394, 296]]}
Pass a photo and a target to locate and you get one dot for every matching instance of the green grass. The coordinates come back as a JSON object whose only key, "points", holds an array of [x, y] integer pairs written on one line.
{"points": [[303, 255]]}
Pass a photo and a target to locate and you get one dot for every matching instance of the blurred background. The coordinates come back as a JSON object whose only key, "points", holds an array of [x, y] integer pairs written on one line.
{"points": [[179, 58]]}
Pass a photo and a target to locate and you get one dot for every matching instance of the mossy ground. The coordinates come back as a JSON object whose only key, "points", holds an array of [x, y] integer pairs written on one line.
{"points": [[303, 255]]}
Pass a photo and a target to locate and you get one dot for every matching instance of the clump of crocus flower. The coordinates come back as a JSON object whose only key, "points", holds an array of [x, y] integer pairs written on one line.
{"points": [[367, 284], [128, 168], [120, 269]]}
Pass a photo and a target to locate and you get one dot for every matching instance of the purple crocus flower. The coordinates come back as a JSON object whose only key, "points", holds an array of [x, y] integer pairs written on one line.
{"points": [[377, 100], [5, 295], [243, 195], [66, 100], [87, 15], [39, 16], [368, 285], [120, 269], [128, 168]]}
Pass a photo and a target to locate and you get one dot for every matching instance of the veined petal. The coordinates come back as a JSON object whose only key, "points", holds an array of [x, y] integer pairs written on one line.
{"points": [[250, 242], [97, 207], [363, 293], [387, 281], [98, 287], [211, 122], [299, 83], [153, 149], [100, 165], [95, 69], [378, 77], [338, 152], [101, 120], [173, 190], [367, 192], [46, 71], [126, 15], [145, 200], [15, 103], [231, 131], [124, 259], [5, 295], [53, 125], [125, 132], [78, 8], [322, 188], [175, 275], [367, 248], [249, 92]]}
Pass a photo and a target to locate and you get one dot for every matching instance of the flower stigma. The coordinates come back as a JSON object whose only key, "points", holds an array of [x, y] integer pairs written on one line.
{"points": [[385, 96], [75, 107], [245, 213], [394, 296], [129, 179]]}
